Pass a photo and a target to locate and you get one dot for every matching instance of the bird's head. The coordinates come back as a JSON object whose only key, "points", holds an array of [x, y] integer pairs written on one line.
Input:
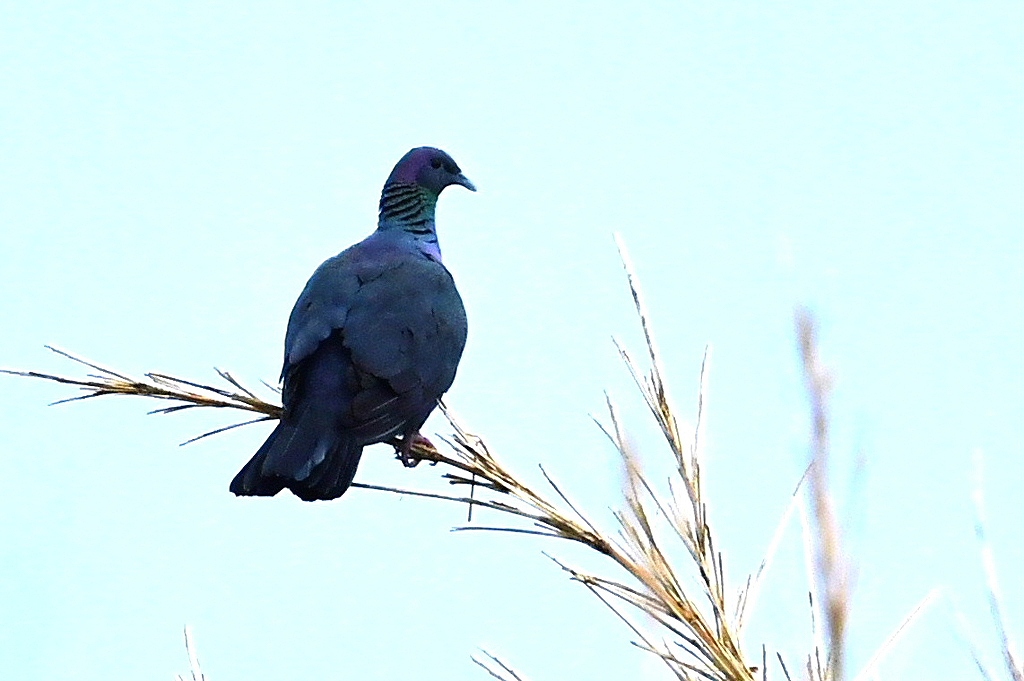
{"points": [[429, 168]]}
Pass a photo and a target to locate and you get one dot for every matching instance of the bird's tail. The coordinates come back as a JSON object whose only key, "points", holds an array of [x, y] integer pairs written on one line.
{"points": [[307, 454]]}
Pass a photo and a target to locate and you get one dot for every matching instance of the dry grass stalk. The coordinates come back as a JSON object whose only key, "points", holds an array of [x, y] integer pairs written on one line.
{"points": [[1013, 663], [832, 572], [193, 658], [700, 640], [709, 642], [697, 630], [498, 669], [183, 393], [870, 670]]}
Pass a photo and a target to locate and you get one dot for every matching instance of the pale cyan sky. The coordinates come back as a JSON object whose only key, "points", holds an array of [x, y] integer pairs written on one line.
{"points": [[171, 174]]}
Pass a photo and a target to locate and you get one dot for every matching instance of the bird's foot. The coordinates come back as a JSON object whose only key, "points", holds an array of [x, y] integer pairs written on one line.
{"points": [[404, 451]]}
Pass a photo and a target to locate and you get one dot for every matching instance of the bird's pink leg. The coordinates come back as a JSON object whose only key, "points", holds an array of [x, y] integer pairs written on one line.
{"points": [[404, 450]]}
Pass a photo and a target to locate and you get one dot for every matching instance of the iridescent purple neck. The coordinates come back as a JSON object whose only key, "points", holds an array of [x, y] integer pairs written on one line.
{"points": [[431, 249]]}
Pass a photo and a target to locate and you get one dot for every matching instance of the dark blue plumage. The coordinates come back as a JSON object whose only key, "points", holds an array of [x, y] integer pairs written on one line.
{"points": [[372, 343]]}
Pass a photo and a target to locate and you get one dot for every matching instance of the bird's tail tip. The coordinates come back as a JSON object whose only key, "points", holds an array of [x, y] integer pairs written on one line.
{"points": [[251, 483], [282, 463]]}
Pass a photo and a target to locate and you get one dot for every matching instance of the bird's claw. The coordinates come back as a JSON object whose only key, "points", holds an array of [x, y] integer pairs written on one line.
{"points": [[408, 460], [404, 451]]}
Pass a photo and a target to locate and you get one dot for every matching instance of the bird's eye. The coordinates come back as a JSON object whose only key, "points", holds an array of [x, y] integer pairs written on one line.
{"points": [[436, 163]]}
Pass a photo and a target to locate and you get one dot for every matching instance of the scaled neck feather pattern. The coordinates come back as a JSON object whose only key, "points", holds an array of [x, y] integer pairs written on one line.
{"points": [[409, 207]]}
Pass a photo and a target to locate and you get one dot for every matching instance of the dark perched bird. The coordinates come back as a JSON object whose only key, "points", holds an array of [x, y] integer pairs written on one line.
{"points": [[372, 343]]}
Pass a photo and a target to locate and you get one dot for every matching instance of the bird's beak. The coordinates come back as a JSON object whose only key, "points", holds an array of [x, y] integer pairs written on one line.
{"points": [[461, 179]]}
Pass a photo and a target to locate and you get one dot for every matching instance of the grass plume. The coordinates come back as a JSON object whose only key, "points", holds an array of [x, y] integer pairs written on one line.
{"points": [[696, 629], [670, 587], [830, 561]]}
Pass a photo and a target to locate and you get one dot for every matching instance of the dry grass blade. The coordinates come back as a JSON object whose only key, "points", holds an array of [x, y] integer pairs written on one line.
{"points": [[498, 669], [782, 663], [158, 386], [964, 631], [995, 601], [871, 667], [193, 658], [702, 628], [750, 592], [216, 431]]}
